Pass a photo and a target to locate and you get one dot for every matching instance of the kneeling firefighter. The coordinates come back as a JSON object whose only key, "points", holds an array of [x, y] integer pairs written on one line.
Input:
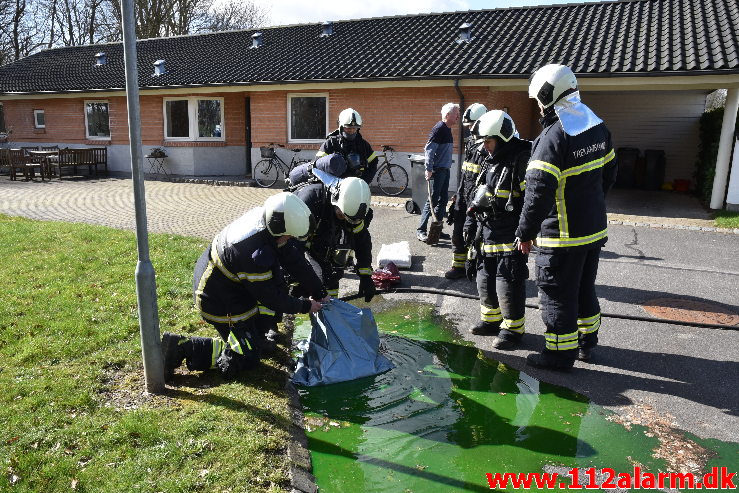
{"points": [[240, 276], [493, 216], [343, 216]]}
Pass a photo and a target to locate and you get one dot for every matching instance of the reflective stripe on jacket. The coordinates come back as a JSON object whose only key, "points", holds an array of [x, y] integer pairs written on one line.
{"points": [[566, 182]]}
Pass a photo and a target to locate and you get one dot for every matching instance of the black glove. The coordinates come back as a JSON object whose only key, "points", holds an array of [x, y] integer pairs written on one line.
{"points": [[469, 232], [450, 213], [367, 288]]}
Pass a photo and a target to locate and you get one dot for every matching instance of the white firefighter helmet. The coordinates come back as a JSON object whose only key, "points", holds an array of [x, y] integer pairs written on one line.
{"points": [[286, 214], [494, 123], [472, 113], [353, 198], [551, 83], [350, 118]]}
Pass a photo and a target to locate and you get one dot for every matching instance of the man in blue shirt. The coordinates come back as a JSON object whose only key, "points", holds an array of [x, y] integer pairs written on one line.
{"points": [[439, 151]]}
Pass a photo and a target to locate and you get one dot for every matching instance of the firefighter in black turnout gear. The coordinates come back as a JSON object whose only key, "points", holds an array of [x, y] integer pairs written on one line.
{"points": [[493, 216], [240, 276], [343, 216], [472, 169], [347, 141], [572, 168]]}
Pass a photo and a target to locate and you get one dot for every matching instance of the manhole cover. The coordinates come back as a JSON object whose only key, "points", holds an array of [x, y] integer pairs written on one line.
{"points": [[684, 310]]}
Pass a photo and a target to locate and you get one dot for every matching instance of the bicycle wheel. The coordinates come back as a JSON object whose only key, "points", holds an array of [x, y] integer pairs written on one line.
{"points": [[393, 180], [265, 173]]}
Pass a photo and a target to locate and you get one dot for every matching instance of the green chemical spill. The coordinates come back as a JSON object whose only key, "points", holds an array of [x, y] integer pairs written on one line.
{"points": [[448, 418]]}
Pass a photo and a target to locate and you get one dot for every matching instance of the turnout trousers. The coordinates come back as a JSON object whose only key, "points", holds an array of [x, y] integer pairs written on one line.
{"points": [[502, 290], [569, 305], [237, 349], [459, 248]]}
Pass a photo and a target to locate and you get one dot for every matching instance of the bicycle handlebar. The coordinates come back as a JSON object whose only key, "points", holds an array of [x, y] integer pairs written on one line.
{"points": [[386, 148]]}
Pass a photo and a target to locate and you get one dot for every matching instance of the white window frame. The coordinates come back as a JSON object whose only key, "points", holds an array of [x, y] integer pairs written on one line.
{"points": [[87, 127], [292, 95], [35, 118], [192, 116]]}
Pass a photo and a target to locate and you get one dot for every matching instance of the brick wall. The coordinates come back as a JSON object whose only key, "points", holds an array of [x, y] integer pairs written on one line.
{"points": [[401, 117]]}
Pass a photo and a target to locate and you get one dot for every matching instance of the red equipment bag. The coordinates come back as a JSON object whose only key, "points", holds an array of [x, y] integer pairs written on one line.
{"points": [[387, 276]]}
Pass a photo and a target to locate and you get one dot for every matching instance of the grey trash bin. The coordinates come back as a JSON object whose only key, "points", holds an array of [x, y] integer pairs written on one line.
{"points": [[419, 191]]}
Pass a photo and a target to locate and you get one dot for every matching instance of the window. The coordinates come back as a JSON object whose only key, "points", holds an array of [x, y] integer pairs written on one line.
{"points": [[39, 120], [307, 116], [97, 120], [3, 128], [193, 119]]}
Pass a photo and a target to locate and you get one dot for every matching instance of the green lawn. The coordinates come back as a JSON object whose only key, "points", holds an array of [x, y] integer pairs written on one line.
{"points": [[726, 219], [73, 412]]}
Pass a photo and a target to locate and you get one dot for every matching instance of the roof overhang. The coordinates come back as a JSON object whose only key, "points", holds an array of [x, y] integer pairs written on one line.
{"points": [[616, 82]]}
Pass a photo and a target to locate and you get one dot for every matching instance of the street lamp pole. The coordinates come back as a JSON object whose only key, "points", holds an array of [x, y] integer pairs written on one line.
{"points": [[146, 292]]}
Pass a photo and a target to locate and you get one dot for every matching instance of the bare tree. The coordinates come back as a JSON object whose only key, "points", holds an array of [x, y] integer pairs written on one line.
{"points": [[29, 25]]}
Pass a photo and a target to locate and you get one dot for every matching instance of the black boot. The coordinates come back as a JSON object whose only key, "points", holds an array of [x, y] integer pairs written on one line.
{"points": [[553, 360], [507, 340], [175, 349], [483, 328], [455, 273], [587, 344]]}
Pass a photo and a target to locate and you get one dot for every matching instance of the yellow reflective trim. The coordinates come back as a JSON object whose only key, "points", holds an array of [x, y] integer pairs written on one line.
{"points": [[229, 318], [359, 227], [372, 156], [609, 157], [217, 261], [365, 271], [490, 314], [471, 167], [513, 325], [522, 185], [333, 292], [544, 166], [256, 276], [561, 342], [321, 154], [217, 349], [498, 247], [263, 310], [588, 320], [201, 285], [504, 194], [460, 256], [457, 263], [234, 343], [571, 242], [484, 310], [589, 329], [564, 230], [589, 166]]}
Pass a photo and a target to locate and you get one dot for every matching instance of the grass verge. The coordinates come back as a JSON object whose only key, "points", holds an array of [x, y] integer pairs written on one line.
{"points": [[73, 412], [727, 219]]}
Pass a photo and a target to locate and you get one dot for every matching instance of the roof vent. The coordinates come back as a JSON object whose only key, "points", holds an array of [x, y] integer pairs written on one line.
{"points": [[101, 58], [327, 29], [159, 68], [465, 33], [256, 40]]}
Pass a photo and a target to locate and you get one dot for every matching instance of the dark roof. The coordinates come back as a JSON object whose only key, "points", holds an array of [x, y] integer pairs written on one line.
{"points": [[627, 37]]}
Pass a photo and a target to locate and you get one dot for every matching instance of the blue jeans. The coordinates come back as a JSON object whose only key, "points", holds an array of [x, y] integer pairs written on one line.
{"points": [[439, 196]]}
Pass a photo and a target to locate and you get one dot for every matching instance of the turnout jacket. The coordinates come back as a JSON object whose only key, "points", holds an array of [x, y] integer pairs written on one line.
{"points": [[474, 165], [336, 143], [504, 178], [240, 275], [332, 233], [566, 183]]}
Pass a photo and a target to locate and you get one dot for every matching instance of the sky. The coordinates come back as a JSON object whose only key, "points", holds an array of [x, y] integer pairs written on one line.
{"points": [[284, 12]]}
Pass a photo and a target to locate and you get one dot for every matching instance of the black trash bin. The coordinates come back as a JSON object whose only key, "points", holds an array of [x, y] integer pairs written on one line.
{"points": [[627, 159], [654, 169], [419, 192]]}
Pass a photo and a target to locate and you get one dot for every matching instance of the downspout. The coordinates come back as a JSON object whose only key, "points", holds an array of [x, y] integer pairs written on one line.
{"points": [[726, 142], [460, 154]]}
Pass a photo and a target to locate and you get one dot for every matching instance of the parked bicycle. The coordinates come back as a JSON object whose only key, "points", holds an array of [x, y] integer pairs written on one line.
{"points": [[267, 171], [391, 178]]}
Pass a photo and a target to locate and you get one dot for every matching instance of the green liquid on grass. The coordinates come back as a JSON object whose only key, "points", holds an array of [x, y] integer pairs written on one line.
{"points": [[446, 415]]}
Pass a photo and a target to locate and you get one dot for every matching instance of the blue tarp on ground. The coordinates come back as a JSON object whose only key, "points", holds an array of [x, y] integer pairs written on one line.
{"points": [[344, 345]]}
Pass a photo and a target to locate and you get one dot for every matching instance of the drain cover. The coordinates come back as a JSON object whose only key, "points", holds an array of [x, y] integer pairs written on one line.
{"points": [[684, 310]]}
